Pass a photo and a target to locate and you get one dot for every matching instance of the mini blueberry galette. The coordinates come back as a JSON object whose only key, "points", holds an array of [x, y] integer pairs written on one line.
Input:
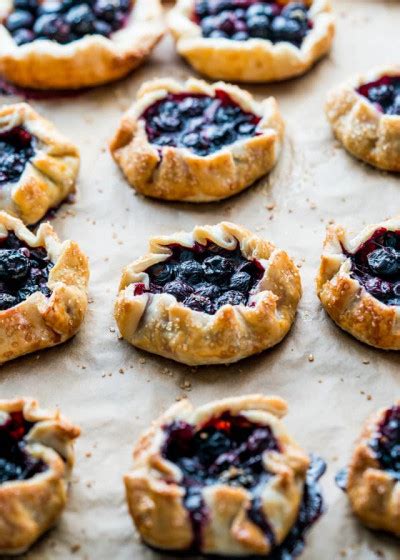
{"points": [[70, 44], [43, 285], [359, 282], [365, 117], [225, 478], [252, 40], [38, 166], [215, 295], [36, 459], [196, 142]]}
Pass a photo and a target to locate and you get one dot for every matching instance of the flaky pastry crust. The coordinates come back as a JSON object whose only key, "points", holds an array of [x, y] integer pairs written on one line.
{"points": [[367, 133], [49, 177], [90, 61], [254, 60], [30, 507], [40, 322], [346, 300], [374, 493], [160, 324], [180, 174], [155, 496]]}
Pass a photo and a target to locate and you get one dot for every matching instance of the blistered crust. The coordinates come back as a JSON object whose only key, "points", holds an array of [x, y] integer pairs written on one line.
{"points": [[160, 324], [373, 493], [90, 61], [254, 60], [179, 174], [156, 505], [346, 300], [368, 134], [40, 322], [30, 507]]}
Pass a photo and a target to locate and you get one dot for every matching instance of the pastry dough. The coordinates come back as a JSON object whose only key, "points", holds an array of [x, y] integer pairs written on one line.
{"points": [[155, 488], [367, 133], [29, 507], [254, 60], [39, 322], [160, 324], [180, 174], [49, 176], [346, 300], [89, 61]]}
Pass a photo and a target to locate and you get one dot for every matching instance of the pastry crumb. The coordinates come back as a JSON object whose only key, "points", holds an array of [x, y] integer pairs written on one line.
{"points": [[310, 357]]}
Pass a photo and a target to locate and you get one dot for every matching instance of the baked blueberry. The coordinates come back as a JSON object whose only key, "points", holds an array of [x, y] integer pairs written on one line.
{"points": [[384, 93], [386, 442], [16, 149]]}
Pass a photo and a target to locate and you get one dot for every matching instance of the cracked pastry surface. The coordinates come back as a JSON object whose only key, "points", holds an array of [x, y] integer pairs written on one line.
{"points": [[43, 285], [365, 117], [65, 44], [36, 459], [214, 295], [196, 142], [358, 282], [252, 40]]}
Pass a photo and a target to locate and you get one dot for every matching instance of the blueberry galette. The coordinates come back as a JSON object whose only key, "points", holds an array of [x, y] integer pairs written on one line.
{"points": [[359, 282], [38, 166], [196, 142], [68, 44], [215, 295], [365, 116], [252, 40], [225, 478], [43, 286], [36, 459]]}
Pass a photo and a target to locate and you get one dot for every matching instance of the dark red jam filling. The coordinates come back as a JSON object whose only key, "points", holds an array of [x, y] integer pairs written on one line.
{"points": [[386, 442], [204, 277], [376, 265], [16, 149], [229, 450], [240, 20], [198, 122], [384, 94], [65, 21], [15, 462], [23, 271]]}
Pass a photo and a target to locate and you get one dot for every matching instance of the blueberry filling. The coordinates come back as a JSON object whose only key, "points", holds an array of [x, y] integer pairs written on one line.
{"points": [[15, 461], [198, 122], [16, 149], [384, 94], [64, 21], [204, 277], [23, 271], [386, 442], [240, 20], [376, 265]]}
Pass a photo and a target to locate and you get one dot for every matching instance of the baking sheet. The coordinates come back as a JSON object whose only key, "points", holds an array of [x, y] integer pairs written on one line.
{"points": [[331, 381]]}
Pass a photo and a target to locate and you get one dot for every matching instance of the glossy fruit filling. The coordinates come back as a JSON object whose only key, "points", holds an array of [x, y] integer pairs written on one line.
{"points": [[384, 94], [386, 442], [204, 277], [15, 462], [240, 20], [16, 149], [229, 450], [198, 122], [23, 271], [64, 21]]}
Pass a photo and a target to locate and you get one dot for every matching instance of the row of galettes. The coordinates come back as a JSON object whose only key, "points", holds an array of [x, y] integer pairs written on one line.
{"points": [[225, 478]]}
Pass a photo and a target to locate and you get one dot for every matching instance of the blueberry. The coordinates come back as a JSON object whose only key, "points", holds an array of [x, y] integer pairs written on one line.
{"points": [[23, 36], [81, 19], [382, 94], [200, 303], [30, 5], [240, 281], [246, 128], [191, 107], [384, 262], [262, 9], [178, 289], [218, 34], [240, 36], [194, 140], [259, 26], [226, 22], [295, 10], [102, 28], [201, 8], [19, 20], [191, 271], [377, 287], [218, 135], [53, 7], [231, 297], [106, 9], [13, 265], [287, 30], [217, 268], [168, 122], [7, 301], [211, 447], [207, 290], [162, 273], [395, 108]]}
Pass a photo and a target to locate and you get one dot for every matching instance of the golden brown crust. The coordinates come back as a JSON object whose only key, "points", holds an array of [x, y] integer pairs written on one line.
{"points": [[160, 324], [346, 300], [30, 507], [156, 505], [374, 494], [90, 61], [368, 134], [182, 175], [254, 60], [40, 322]]}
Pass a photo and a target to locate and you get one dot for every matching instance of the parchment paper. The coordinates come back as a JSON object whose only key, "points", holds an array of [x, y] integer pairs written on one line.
{"points": [[331, 381]]}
